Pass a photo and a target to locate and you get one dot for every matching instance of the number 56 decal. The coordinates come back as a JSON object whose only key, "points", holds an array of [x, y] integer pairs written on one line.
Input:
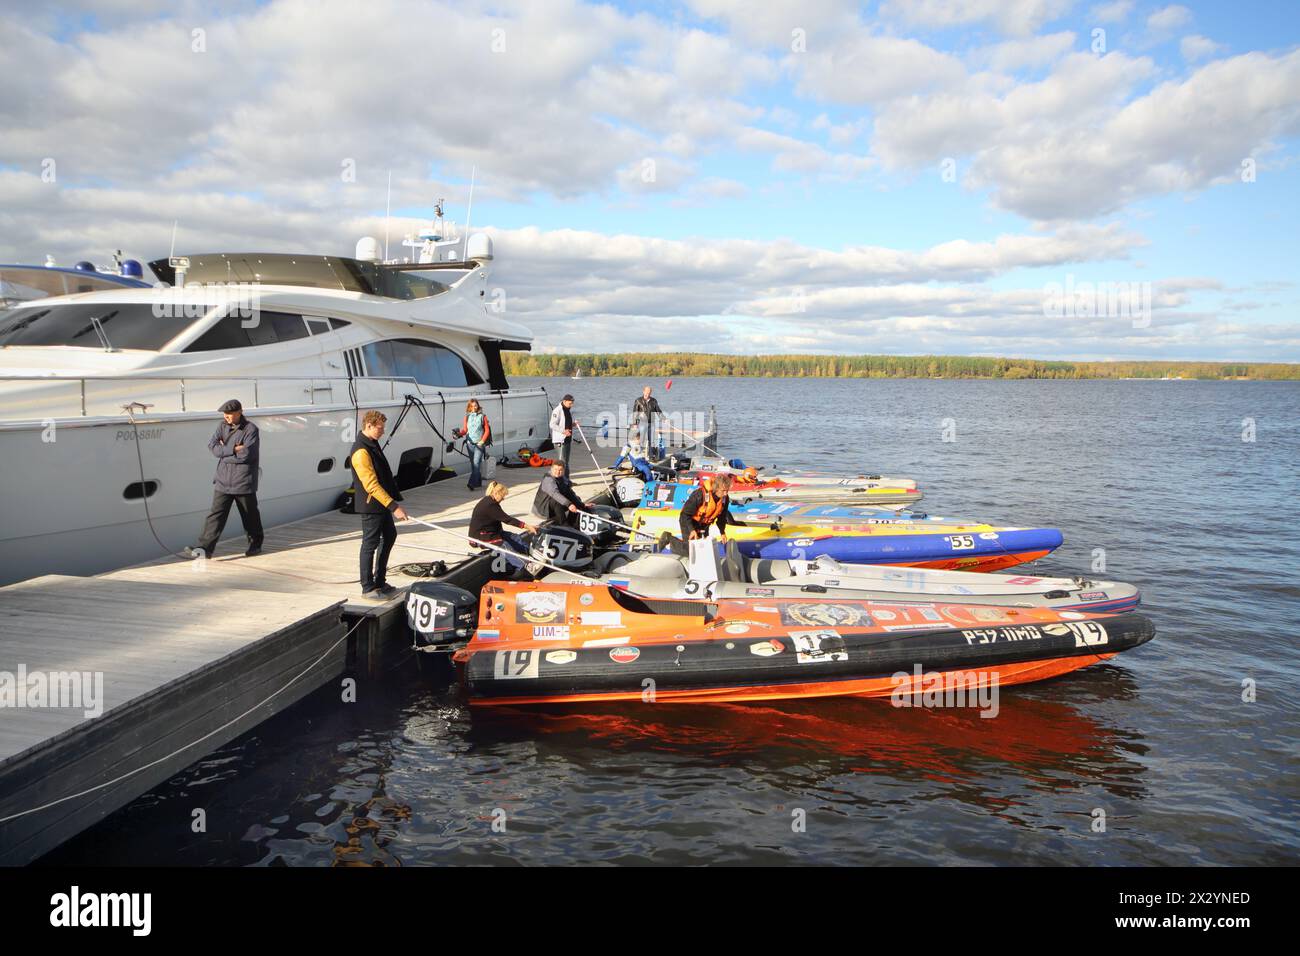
{"points": [[961, 542], [515, 665]]}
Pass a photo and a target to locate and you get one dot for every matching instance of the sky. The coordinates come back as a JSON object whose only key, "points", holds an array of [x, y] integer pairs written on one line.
{"points": [[1036, 178]]}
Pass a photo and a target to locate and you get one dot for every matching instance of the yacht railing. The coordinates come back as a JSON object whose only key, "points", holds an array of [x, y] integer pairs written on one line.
{"points": [[104, 395]]}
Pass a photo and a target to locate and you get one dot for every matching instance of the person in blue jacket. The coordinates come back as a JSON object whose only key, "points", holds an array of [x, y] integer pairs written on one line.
{"points": [[237, 447]]}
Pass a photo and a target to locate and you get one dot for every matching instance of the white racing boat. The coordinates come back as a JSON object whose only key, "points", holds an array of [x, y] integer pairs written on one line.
{"points": [[717, 571]]}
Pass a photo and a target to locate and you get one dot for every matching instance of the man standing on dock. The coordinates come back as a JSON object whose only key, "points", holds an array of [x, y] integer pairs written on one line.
{"points": [[644, 410], [237, 448], [376, 499], [562, 428]]}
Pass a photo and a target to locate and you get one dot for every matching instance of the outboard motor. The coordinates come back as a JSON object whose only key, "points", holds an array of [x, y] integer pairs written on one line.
{"points": [[440, 615], [602, 533], [560, 547], [628, 490]]}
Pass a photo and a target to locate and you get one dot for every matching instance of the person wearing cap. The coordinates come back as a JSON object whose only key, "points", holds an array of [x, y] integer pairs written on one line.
{"points": [[376, 499], [237, 447], [562, 428]]}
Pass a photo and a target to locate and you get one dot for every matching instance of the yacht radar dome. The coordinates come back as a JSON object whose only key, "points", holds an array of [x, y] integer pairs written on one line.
{"points": [[479, 246], [368, 249]]}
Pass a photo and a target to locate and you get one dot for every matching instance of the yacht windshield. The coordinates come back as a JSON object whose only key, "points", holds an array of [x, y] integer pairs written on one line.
{"points": [[121, 325]]}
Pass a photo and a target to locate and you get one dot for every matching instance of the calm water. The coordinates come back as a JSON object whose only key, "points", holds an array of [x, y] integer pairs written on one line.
{"points": [[1154, 473]]}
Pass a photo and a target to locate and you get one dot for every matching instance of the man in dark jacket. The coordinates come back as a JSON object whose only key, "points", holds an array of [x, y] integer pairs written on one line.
{"points": [[556, 501], [376, 499], [644, 411], [237, 448]]}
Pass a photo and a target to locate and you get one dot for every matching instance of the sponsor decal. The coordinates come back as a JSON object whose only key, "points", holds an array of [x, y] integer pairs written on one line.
{"points": [[561, 657], [488, 635], [766, 648], [882, 615], [765, 608], [819, 647], [988, 614], [602, 618], [540, 607], [624, 655], [991, 635], [1092, 596], [802, 542], [737, 628], [587, 598], [607, 641], [826, 615], [551, 632], [832, 582], [761, 592], [989, 536], [930, 614], [1072, 615]]}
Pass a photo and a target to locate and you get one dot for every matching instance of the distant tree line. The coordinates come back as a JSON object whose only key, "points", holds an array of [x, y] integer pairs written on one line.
{"points": [[667, 364]]}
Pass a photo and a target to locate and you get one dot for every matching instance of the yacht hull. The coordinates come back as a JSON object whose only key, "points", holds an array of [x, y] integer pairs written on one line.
{"points": [[66, 510]]}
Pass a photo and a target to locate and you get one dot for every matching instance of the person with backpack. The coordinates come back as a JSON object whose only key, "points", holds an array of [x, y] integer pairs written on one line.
{"points": [[477, 432]]}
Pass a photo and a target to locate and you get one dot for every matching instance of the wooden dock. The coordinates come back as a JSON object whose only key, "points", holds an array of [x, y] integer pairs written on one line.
{"points": [[193, 654]]}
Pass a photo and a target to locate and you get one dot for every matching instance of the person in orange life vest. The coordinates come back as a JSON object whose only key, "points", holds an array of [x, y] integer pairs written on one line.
{"points": [[707, 506]]}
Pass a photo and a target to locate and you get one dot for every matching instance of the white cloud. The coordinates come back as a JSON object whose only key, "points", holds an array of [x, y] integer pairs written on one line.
{"points": [[859, 68], [1115, 12], [1074, 145], [1013, 17], [1032, 52], [1167, 19], [1194, 48]]}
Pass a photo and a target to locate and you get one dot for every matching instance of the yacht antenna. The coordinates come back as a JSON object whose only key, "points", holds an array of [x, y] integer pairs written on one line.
{"points": [[470, 208], [388, 209]]}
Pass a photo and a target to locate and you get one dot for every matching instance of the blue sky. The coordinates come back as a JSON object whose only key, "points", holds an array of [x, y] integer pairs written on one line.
{"points": [[797, 201]]}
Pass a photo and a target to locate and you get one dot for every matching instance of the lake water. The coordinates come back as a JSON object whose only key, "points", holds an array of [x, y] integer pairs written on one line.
{"points": [[1153, 477]]}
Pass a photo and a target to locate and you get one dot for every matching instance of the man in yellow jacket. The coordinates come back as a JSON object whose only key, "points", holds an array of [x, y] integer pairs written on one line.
{"points": [[376, 500]]}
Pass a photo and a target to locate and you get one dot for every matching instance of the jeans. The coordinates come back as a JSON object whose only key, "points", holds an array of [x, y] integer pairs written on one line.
{"points": [[511, 541], [216, 520], [378, 532], [476, 453], [564, 453]]}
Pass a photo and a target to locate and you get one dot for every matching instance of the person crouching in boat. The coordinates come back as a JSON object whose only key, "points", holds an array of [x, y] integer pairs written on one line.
{"points": [[708, 506], [556, 501], [485, 522]]}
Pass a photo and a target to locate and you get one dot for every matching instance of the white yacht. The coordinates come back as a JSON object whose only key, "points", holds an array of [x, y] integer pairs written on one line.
{"points": [[97, 387]]}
